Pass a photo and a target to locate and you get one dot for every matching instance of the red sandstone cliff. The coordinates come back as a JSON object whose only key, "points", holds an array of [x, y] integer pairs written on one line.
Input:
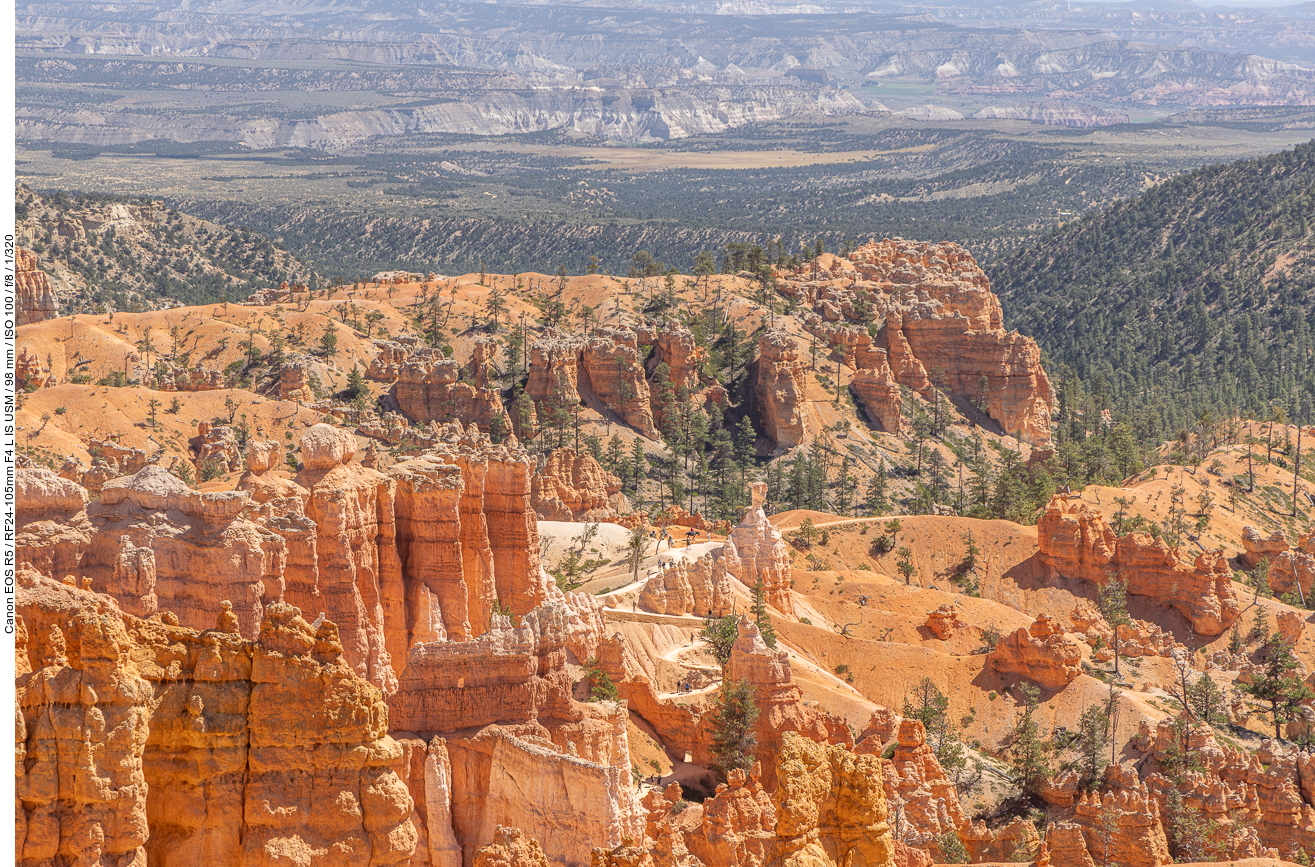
{"points": [[940, 325], [1074, 540]]}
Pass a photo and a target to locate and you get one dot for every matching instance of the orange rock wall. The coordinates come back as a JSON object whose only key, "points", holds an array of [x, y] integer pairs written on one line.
{"points": [[941, 326], [198, 747], [1074, 540], [574, 487]]}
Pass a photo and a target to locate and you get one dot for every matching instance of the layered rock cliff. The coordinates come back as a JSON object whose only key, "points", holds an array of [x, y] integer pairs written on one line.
{"points": [[144, 741], [158, 545], [1075, 541], [570, 486], [780, 389], [878, 393], [939, 324]]}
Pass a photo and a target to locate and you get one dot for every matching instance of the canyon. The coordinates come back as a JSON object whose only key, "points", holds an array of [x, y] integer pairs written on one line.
{"points": [[448, 620]]}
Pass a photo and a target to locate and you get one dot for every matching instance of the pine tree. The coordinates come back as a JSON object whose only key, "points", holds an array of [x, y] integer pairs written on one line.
{"points": [[846, 485], [356, 385], [1112, 599], [928, 705], [745, 442], [1207, 700], [1027, 751], [601, 687], [876, 502], [638, 466], [1279, 686], [720, 635], [760, 615], [1093, 736], [733, 716]]}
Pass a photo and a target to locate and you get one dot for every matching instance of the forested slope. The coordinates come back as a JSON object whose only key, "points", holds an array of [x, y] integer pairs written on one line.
{"points": [[133, 253], [1197, 295]]}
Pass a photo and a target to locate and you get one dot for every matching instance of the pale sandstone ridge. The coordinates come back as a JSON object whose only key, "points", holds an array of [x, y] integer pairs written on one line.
{"points": [[755, 552], [571, 486], [36, 300], [701, 587], [939, 325], [780, 389], [1041, 653], [1075, 541], [688, 727], [203, 747], [1290, 568]]}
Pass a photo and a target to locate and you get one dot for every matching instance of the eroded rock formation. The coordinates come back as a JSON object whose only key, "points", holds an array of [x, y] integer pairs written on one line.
{"points": [[433, 390], [511, 848], [545, 763], [1259, 801], [574, 487], [830, 808], [36, 300], [188, 747], [878, 393], [944, 621], [629, 370], [30, 372], [1075, 541], [1042, 653], [1289, 567], [779, 699], [940, 325], [158, 545], [780, 389], [611, 367], [755, 552], [352, 509], [701, 587], [51, 522]]}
